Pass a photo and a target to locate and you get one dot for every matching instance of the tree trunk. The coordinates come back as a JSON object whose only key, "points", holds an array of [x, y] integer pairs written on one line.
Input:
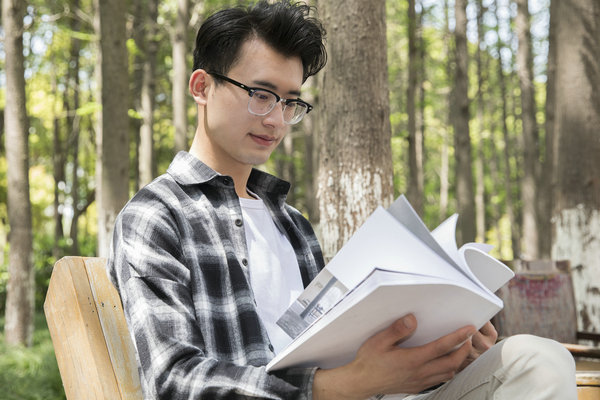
{"points": [[462, 138], [146, 149], [140, 37], [530, 131], [548, 175], [74, 122], [180, 75], [18, 328], [415, 138], [355, 173], [58, 171], [514, 231], [311, 154], [445, 154], [112, 141], [577, 118], [480, 221]]}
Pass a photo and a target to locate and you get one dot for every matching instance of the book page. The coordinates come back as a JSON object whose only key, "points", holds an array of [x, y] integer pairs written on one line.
{"points": [[482, 270], [384, 242], [491, 272], [407, 216]]}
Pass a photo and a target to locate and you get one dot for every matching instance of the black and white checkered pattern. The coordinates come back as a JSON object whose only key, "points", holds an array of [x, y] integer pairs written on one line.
{"points": [[179, 262]]}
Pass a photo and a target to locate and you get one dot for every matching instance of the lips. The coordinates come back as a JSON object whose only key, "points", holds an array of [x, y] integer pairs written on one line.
{"points": [[263, 140]]}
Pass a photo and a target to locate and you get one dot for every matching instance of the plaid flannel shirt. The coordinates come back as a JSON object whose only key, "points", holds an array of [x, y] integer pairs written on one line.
{"points": [[179, 261]]}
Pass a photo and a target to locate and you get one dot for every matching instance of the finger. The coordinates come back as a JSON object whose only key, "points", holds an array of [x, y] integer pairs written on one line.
{"points": [[489, 331], [390, 336], [451, 362], [447, 343]]}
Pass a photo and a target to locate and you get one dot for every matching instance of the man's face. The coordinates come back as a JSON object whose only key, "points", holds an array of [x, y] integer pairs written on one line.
{"points": [[238, 138]]}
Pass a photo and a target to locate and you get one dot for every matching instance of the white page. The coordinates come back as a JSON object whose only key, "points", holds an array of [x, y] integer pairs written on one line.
{"points": [[407, 216], [491, 272], [385, 243], [440, 308], [445, 235]]}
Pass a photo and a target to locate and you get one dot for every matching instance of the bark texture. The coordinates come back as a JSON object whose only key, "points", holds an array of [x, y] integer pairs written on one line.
{"points": [[112, 136], [180, 75], [465, 196], [577, 118], [530, 132], [18, 328], [355, 173]]}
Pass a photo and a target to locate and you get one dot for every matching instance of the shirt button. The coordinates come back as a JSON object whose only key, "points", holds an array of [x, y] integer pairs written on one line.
{"points": [[227, 181], [238, 222], [271, 347], [244, 262]]}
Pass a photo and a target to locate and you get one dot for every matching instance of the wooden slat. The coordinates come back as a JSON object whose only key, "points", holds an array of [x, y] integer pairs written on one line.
{"points": [[588, 393], [81, 352], [93, 348], [114, 327], [588, 378]]}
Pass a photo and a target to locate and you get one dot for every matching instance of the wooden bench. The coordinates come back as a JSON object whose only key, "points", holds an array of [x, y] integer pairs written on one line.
{"points": [[96, 357], [94, 351]]}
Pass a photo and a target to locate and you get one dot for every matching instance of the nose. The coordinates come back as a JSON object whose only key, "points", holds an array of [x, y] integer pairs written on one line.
{"points": [[275, 117]]}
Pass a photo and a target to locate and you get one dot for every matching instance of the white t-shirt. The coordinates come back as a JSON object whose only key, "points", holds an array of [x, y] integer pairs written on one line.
{"points": [[274, 273]]}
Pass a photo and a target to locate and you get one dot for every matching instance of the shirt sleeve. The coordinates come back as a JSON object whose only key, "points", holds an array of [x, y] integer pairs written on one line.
{"points": [[145, 265]]}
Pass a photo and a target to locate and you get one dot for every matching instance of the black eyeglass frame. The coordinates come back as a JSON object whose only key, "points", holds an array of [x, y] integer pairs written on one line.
{"points": [[252, 90]]}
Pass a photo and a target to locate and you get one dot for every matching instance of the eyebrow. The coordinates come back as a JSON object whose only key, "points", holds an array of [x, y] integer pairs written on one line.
{"points": [[269, 85]]}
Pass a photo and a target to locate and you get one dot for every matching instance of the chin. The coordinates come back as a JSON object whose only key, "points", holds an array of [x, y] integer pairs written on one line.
{"points": [[257, 160]]}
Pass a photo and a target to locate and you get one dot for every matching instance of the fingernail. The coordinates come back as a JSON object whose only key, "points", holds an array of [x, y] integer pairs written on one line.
{"points": [[408, 321]]}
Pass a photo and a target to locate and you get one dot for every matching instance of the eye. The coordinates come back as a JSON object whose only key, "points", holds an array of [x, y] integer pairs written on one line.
{"points": [[262, 96]]}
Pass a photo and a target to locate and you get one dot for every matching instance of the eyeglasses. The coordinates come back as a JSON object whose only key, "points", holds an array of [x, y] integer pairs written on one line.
{"points": [[263, 101]]}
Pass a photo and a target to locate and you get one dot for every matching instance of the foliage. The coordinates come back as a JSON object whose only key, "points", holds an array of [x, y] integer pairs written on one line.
{"points": [[30, 373], [54, 27]]}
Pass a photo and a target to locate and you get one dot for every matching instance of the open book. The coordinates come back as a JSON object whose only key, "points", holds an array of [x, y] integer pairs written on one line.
{"points": [[392, 266]]}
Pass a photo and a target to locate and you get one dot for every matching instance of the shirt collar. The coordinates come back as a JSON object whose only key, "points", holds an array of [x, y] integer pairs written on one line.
{"points": [[188, 170]]}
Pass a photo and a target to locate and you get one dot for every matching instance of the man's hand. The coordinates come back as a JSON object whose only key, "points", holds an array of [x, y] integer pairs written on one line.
{"points": [[482, 340], [382, 367]]}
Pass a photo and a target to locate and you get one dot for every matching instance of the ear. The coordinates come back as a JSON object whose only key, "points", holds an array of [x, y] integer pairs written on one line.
{"points": [[198, 85]]}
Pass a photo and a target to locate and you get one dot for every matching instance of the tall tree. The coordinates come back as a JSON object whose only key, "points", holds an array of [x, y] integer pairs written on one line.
{"points": [[112, 137], [58, 168], [74, 123], [180, 75], [311, 154], [415, 189], [548, 176], [355, 171], [530, 131], [445, 153], [146, 160], [18, 328], [577, 118], [508, 185], [480, 222], [139, 10], [462, 138]]}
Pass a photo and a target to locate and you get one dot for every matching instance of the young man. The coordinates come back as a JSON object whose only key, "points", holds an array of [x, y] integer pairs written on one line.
{"points": [[209, 255]]}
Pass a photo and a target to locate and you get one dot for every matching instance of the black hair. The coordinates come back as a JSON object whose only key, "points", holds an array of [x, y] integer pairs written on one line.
{"points": [[285, 26]]}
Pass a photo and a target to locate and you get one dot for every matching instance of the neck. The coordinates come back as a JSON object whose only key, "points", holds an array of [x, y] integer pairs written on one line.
{"points": [[240, 173]]}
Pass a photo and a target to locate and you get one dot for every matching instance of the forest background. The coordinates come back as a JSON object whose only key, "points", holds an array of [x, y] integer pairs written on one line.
{"points": [[488, 108]]}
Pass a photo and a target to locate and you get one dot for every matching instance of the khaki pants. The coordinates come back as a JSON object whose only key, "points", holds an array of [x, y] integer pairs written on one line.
{"points": [[520, 367]]}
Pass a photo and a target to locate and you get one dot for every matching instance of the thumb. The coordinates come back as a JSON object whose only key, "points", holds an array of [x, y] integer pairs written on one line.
{"points": [[393, 334]]}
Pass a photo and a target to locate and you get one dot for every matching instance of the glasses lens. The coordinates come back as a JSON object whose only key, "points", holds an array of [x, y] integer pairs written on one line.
{"points": [[294, 112], [261, 102]]}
